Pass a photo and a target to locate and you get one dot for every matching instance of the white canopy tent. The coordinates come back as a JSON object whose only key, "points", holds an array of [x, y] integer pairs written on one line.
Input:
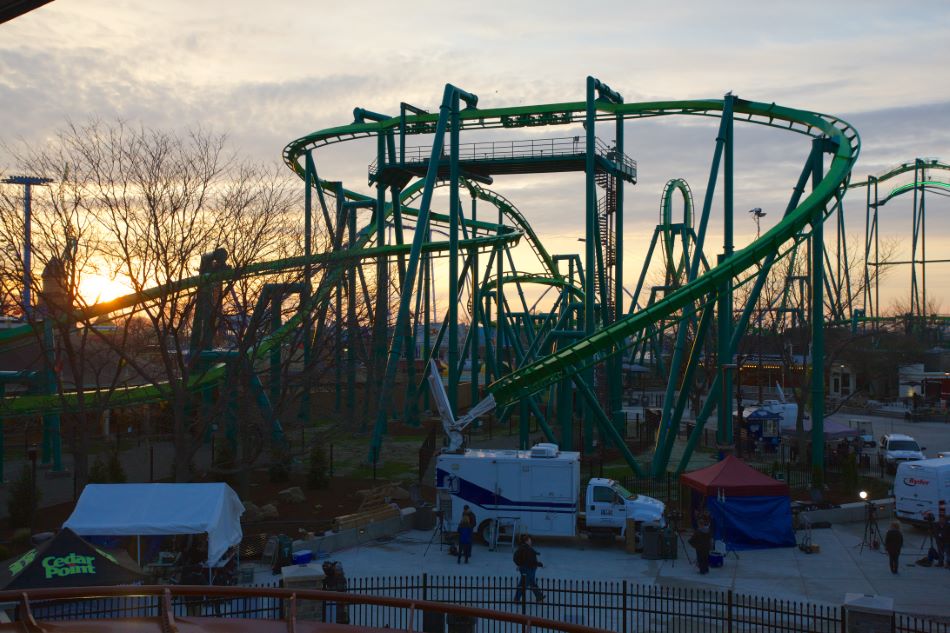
{"points": [[161, 509]]}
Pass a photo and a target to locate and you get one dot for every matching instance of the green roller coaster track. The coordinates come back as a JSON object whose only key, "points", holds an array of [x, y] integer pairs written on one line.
{"points": [[575, 348]]}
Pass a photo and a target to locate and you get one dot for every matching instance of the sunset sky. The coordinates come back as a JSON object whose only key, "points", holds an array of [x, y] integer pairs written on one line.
{"points": [[267, 73]]}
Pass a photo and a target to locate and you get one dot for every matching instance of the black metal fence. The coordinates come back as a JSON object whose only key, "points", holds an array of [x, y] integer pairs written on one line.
{"points": [[617, 606], [256, 607]]}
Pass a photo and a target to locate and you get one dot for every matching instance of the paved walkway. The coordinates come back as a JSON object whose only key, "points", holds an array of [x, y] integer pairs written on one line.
{"points": [[841, 567]]}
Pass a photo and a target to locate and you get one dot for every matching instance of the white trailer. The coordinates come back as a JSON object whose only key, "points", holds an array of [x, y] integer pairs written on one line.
{"points": [[920, 488], [538, 491]]}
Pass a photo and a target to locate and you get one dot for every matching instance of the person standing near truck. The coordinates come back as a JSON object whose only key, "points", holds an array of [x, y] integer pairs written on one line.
{"points": [[465, 530], [526, 559], [941, 536], [893, 542]]}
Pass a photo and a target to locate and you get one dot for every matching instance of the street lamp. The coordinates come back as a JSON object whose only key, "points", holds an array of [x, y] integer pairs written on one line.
{"points": [[757, 215], [28, 182]]}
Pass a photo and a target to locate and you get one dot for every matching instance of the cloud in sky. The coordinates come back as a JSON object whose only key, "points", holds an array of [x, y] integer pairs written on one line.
{"points": [[269, 75]]}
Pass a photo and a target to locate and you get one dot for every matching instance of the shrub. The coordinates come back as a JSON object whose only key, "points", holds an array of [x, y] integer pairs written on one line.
{"points": [[108, 471], [22, 499], [116, 472]]}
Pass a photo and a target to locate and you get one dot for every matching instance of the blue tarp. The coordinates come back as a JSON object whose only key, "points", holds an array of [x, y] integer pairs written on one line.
{"points": [[752, 522]]}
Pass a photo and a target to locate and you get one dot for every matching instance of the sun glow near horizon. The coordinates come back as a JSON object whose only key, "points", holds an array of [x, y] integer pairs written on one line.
{"points": [[97, 288]]}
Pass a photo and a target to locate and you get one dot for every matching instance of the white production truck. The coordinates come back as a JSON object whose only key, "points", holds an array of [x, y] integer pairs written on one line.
{"points": [[922, 488], [536, 491]]}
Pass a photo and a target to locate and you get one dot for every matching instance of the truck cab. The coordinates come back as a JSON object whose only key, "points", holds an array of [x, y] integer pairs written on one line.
{"points": [[608, 505], [897, 448]]}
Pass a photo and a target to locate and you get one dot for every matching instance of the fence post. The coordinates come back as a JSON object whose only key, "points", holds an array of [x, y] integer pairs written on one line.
{"points": [[729, 612], [623, 613], [425, 585]]}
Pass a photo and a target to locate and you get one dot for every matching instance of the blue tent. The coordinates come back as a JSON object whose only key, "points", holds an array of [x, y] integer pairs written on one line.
{"points": [[749, 510]]}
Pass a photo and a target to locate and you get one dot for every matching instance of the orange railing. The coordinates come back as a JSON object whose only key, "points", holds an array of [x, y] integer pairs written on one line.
{"points": [[166, 619]]}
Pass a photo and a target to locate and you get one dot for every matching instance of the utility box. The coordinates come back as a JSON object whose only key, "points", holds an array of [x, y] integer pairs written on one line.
{"points": [[864, 613]]}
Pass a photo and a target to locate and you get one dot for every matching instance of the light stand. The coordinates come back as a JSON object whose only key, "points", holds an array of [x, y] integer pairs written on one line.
{"points": [[872, 533], [929, 539], [672, 521], [439, 530]]}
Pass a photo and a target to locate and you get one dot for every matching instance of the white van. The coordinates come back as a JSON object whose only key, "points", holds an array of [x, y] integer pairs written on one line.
{"points": [[922, 488]]}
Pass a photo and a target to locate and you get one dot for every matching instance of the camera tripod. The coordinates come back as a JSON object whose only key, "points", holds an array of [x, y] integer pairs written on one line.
{"points": [[872, 533], [438, 530], [673, 519]]}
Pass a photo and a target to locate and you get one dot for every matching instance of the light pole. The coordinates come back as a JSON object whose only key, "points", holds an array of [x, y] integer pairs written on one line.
{"points": [[757, 215], [28, 182]]}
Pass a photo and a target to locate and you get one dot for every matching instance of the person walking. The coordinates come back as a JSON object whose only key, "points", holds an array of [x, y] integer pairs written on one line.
{"points": [[942, 541], [465, 531], [701, 540], [893, 542], [526, 559]]}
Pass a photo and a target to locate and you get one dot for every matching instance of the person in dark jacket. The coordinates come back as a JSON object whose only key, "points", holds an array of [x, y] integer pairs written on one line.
{"points": [[526, 559], [893, 542], [942, 541], [465, 531], [467, 512], [701, 540]]}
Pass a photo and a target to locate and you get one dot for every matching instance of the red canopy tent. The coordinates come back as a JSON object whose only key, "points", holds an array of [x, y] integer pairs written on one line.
{"points": [[732, 477], [749, 510]]}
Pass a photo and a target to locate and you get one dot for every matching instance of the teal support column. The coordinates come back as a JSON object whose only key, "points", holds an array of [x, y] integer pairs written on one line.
{"points": [[352, 326], [307, 325], [427, 311], [267, 409], [817, 321], [724, 434], [450, 96], [524, 419], [715, 389], [475, 302], [376, 378], [454, 211], [499, 299], [615, 374], [666, 421], [590, 244]]}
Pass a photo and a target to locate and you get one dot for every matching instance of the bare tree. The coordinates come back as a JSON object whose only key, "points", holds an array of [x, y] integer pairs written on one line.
{"points": [[150, 206]]}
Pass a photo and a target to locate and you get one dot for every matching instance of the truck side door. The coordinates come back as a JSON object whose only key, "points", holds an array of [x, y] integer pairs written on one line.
{"points": [[604, 508]]}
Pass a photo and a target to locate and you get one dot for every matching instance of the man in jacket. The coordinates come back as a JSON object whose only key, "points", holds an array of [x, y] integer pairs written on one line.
{"points": [[893, 542], [526, 559]]}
